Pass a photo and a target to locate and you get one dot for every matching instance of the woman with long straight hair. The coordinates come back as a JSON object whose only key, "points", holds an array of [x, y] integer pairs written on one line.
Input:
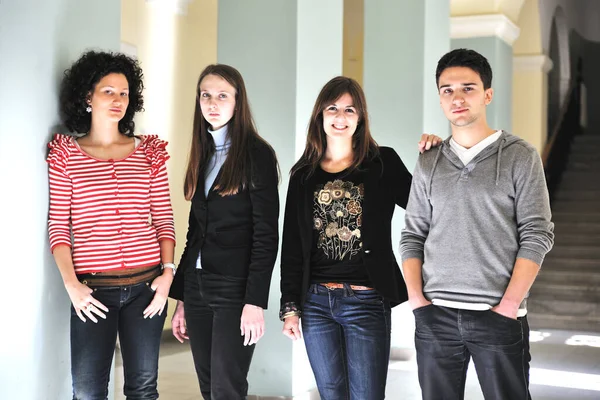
{"points": [[222, 285], [339, 275]]}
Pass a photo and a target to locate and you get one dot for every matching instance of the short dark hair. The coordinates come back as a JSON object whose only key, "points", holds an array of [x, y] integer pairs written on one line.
{"points": [[81, 79], [465, 58]]}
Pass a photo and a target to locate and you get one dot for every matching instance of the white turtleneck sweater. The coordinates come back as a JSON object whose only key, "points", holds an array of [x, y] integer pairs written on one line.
{"points": [[222, 144]]}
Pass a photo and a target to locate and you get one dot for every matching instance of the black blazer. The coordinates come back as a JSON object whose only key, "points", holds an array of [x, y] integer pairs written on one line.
{"points": [[236, 235], [387, 184]]}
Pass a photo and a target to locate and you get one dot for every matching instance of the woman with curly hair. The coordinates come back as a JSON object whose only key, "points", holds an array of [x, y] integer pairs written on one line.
{"points": [[111, 226], [222, 286], [338, 270]]}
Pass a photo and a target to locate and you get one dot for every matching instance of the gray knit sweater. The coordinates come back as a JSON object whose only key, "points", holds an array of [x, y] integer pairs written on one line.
{"points": [[468, 224]]}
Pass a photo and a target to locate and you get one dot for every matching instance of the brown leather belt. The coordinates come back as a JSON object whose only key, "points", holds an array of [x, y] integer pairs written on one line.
{"points": [[332, 285], [126, 277]]}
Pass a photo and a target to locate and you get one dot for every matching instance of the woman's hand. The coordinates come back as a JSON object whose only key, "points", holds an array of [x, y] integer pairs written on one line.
{"points": [[252, 324], [160, 286], [291, 327], [428, 141], [84, 303], [178, 323]]}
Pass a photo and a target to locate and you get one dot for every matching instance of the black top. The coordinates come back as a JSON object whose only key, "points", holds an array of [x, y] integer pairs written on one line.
{"points": [[336, 254], [238, 234], [386, 184]]}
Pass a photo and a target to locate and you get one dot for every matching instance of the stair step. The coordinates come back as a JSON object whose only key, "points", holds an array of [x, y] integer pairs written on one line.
{"points": [[540, 321], [574, 265], [582, 309], [590, 157], [563, 227], [577, 238], [587, 138], [585, 206], [582, 291], [581, 194], [576, 217], [582, 166], [567, 276], [579, 180], [577, 252]]}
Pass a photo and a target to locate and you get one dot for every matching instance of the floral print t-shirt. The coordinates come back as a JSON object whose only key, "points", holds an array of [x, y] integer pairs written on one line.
{"points": [[337, 220]]}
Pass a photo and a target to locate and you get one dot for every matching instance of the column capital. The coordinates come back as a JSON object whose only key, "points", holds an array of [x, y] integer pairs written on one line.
{"points": [[178, 7], [532, 63], [473, 26]]}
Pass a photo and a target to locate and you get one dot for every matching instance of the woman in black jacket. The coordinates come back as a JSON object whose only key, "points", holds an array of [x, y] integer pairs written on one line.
{"points": [[222, 285], [338, 270]]}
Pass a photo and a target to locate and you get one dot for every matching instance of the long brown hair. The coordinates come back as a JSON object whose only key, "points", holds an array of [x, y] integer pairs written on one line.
{"points": [[363, 144], [242, 132]]}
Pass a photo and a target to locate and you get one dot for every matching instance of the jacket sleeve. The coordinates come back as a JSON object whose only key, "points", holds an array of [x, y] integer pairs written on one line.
{"points": [[399, 176], [176, 291], [291, 250], [264, 196], [532, 203], [417, 218]]}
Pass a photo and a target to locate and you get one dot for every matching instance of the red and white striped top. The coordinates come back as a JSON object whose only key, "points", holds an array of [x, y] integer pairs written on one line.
{"points": [[117, 210]]}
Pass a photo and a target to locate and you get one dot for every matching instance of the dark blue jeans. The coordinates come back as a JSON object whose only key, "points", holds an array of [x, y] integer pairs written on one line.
{"points": [[447, 338], [347, 336], [93, 345]]}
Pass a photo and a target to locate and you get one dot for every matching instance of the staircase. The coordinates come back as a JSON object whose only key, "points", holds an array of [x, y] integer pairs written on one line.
{"points": [[566, 294]]}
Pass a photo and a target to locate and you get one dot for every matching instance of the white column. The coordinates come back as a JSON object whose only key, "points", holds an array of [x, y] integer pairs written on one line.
{"points": [[286, 51], [38, 41]]}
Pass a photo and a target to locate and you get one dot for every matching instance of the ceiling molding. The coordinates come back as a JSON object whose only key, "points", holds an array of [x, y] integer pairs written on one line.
{"points": [[178, 7], [533, 63], [473, 26]]}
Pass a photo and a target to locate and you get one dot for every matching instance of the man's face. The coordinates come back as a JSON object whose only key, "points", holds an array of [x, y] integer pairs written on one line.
{"points": [[462, 96]]}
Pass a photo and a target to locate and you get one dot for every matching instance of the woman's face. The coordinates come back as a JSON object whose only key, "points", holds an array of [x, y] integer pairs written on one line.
{"points": [[110, 98], [340, 119], [217, 101]]}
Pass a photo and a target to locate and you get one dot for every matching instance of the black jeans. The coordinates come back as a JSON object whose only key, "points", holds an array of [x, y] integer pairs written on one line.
{"points": [[213, 309], [93, 345], [447, 338]]}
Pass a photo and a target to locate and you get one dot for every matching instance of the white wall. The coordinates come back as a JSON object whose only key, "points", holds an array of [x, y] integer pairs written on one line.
{"points": [[38, 40]]}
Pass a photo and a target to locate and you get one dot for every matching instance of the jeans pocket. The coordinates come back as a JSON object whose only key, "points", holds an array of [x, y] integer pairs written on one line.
{"points": [[504, 318], [368, 296], [419, 310]]}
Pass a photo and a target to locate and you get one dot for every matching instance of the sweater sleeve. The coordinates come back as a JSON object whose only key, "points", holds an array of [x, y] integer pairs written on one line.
{"points": [[536, 231], [417, 218], [160, 200], [61, 188]]}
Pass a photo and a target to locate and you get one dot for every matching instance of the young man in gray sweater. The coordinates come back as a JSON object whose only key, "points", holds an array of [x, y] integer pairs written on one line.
{"points": [[477, 230]]}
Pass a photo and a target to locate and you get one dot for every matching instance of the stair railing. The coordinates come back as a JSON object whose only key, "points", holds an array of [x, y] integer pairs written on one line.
{"points": [[556, 152]]}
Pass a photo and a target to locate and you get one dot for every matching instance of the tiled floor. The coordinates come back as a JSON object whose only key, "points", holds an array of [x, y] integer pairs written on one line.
{"points": [[559, 372]]}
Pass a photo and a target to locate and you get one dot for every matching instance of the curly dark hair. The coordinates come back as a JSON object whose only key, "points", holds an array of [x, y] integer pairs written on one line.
{"points": [[81, 79]]}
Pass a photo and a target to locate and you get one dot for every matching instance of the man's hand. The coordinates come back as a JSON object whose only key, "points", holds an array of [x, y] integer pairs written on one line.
{"points": [[507, 309], [418, 302]]}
